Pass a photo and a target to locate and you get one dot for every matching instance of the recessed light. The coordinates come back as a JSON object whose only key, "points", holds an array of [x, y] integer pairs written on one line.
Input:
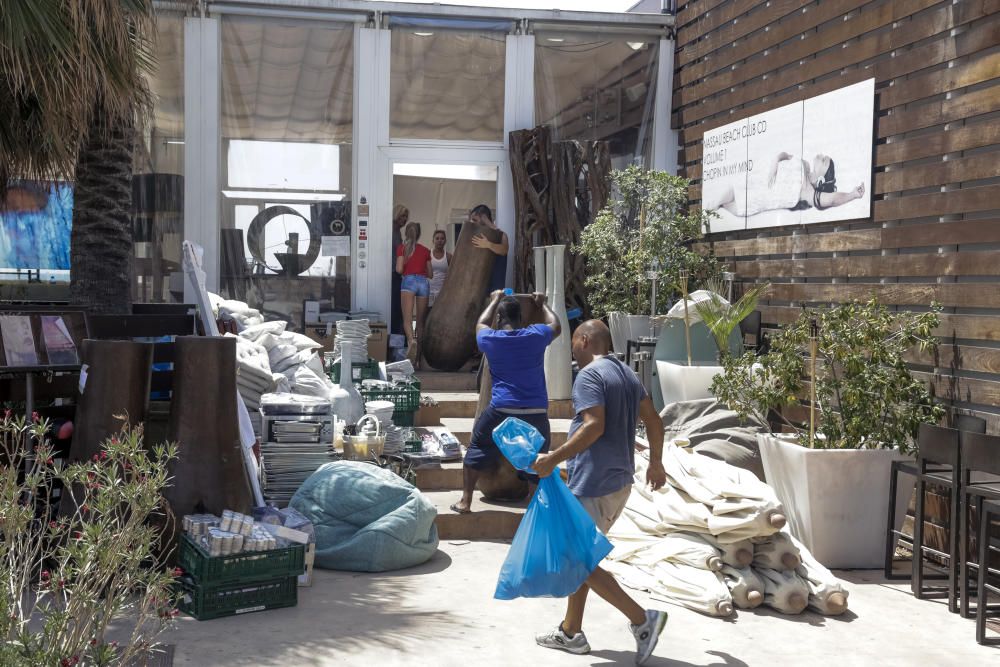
{"points": [[555, 39], [635, 46], [423, 34]]}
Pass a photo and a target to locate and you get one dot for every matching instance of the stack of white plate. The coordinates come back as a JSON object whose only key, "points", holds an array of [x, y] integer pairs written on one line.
{"points": [[393, 441], [382, 411], [357, 332]]}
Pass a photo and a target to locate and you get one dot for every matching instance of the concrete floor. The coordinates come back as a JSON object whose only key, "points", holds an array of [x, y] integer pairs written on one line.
{"points": [[443, 613]]}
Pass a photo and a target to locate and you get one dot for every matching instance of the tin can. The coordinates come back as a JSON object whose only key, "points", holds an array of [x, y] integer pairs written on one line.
{"points": [[227, 520], [227, 543], [247, 527], [215, 542]]}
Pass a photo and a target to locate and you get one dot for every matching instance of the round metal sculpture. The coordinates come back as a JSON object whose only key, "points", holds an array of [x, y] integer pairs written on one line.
{"points": [[291, 263]]}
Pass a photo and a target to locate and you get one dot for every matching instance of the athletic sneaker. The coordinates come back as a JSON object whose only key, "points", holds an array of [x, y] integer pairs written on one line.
{"points": [[647, 634], [558, 639]]}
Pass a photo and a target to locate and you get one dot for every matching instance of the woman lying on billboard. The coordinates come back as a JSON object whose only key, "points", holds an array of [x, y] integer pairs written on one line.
{"points": [[791, 184]]}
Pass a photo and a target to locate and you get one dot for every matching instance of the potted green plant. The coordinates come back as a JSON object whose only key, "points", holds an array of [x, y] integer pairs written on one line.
{"points": [[865, 407], [647, 227]]}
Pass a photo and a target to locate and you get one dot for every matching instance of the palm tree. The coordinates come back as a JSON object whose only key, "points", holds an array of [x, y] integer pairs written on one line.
{"points": [[71, 88]]}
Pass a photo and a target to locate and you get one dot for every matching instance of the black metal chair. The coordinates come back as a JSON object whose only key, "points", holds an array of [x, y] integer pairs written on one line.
{"points": [[988, 515], [980, 482], [937, 462]]}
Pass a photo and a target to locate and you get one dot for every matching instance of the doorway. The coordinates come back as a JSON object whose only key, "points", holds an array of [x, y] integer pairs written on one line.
{"points": [[438, 197]]}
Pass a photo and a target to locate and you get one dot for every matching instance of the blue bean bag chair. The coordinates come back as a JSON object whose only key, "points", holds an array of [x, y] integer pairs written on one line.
{"points": [[366, 519]]}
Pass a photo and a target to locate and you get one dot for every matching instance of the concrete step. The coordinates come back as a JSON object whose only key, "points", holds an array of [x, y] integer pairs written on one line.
{"points": [[463, 404], [461, 428], [442, 381], [488, 521]]}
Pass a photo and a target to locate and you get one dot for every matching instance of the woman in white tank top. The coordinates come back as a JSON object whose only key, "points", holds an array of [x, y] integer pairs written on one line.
{"points": [[440, 259]]}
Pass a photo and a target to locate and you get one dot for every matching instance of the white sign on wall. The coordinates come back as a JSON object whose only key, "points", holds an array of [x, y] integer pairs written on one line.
{"points": [[802, 163]]}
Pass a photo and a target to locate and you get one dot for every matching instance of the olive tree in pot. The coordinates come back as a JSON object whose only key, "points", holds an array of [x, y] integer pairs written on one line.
{"points": [[832, 474], [648, 220]]}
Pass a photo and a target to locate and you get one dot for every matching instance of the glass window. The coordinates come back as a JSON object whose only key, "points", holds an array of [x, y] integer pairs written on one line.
{"points": [[287, 114], [592, 87], [158, 184], [447, 84]]}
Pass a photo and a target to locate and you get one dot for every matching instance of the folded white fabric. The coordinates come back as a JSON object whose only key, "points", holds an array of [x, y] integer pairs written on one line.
{"points": [[300, 341], [256, 331]]}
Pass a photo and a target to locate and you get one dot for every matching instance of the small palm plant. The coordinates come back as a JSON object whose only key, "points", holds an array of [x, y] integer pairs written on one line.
{"points": [[722, 318]]}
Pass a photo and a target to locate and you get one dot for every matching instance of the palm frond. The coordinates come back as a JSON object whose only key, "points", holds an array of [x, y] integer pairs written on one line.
{"points": [[59, 59], [722, 318]]}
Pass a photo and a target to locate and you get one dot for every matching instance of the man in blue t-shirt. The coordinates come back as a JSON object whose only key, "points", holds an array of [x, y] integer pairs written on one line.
{"points": [[609, 400], [516, 355]]}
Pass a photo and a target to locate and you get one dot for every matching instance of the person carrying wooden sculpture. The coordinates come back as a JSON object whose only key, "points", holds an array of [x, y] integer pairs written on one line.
{"points": [[413, 262], [516, 355], [609, 400], [498, 277]]}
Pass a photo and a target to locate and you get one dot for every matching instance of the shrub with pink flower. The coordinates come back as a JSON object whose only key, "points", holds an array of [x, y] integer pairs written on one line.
{"points": [[63, 594]]}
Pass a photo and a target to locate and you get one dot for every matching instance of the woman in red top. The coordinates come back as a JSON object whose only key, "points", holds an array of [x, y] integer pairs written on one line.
{"points": [[413, 262]]}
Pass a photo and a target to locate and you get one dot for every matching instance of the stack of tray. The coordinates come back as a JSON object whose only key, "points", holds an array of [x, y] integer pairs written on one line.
{"points": [[296, 439]]}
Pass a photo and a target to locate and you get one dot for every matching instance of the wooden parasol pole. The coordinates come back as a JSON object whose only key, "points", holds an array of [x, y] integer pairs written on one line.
{"points": [[813, 334], [687, 325]]}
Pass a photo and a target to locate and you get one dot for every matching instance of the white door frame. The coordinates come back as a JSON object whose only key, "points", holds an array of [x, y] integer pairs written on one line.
{"points": [[444, 153], [375, 153]]}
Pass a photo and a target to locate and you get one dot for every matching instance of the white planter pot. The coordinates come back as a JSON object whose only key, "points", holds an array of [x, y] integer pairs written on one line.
{"points": [[836, 500], [618, 324], [685, 383]]}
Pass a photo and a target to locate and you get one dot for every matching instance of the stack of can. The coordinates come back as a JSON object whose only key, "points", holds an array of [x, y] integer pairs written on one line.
{"points": [[230, 565], [233, 533]]}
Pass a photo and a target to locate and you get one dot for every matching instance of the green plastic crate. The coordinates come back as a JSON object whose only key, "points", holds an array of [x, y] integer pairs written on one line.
{"points": [[413, 446], [403, 418], [243, 568], [405, 398], [366, 371], [208, 602]]}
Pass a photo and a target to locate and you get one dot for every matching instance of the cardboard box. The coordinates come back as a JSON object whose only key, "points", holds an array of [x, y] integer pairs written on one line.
{"points": [[428, 415], [324, 335]]}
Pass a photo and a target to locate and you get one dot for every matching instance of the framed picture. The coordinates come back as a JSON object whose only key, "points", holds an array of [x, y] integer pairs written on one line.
{"points": [[18, 341]]}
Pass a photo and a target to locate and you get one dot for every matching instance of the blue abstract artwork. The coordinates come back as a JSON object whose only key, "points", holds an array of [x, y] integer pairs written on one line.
{"points": [[35, 226]]}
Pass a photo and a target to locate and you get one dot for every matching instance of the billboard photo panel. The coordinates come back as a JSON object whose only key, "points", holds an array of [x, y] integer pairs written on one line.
{"points": [[801, 163], [724, 175]]}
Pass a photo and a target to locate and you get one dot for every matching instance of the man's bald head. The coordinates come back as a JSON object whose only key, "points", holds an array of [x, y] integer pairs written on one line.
{"points": [[594, 336]]}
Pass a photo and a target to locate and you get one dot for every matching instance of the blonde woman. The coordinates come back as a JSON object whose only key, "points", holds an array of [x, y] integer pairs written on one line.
{"points": [[413, 264]]}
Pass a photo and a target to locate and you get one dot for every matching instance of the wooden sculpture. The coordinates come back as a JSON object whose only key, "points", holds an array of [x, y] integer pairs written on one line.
{"points": [[449, 337]]}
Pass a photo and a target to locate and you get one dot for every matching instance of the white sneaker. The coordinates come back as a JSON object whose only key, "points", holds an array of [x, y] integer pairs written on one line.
{"points": [[558, 639], [647, 634]]}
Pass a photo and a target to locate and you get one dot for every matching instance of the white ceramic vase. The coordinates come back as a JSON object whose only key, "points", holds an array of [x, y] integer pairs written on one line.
{"points": [[345, 399], [558, 367], [540, 285]]}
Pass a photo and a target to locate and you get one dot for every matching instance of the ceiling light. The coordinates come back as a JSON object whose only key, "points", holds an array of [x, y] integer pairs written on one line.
{"points": [[423, 34], [555, 39], [174, 142], [635, 46]]}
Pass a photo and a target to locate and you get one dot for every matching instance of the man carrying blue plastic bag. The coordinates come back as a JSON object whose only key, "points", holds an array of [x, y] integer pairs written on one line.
{"points": [[608, 400]]}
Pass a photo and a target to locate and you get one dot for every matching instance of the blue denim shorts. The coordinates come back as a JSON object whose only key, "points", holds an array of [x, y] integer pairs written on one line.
{"points": [[419, 285]]}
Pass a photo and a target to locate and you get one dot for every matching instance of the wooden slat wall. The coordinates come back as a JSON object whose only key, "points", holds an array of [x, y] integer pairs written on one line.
{"points": [[934, 233]]}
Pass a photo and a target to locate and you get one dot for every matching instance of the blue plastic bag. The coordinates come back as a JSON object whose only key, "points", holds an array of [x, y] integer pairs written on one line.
{"points": [[519, 441], [557, 545]]}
